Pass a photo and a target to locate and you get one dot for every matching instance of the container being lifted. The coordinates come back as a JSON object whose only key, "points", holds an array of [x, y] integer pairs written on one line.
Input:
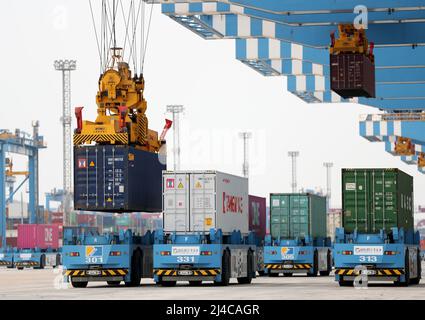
{"points": [[205, 236], [298, 242], [122, 171], [377, 241], [352, 63], [117, 178]]}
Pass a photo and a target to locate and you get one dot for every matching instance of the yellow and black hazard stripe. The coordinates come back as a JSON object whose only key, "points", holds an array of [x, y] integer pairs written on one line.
{"points": [[5, 263], [104, 273], [111, 138], [294, 266], [379, 272], [27, 264], [175, 273]]}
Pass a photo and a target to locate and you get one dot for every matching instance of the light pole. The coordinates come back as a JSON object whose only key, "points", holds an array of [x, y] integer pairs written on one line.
{"points": [[176, 110], [245, 167], [328, 166], [66, 66], [294, 155]]}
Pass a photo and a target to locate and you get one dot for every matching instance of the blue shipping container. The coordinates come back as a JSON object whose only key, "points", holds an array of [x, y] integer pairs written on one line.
{"points": [[117, 179]]}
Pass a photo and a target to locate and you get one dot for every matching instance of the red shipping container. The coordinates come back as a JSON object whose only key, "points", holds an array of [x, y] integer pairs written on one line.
{"points": [[12, 242], [86, 219], [41, 236], [257, 216]]}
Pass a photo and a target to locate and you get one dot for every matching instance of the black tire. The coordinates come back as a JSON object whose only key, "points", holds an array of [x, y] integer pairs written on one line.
{"points": [[315, 266], [195, 283], [419, 271], [20, 268], [136, 274], [225, 270], [406, 272], [58, 260], [288, 274], [42, 261], [329, 266], [113, 283], [261, 273], [250, 270], [79, 284], [168, 283], [273, 275], [345, 283]]}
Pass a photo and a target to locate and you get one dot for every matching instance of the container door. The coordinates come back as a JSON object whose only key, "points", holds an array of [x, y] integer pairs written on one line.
{"points": [[356, 190], [202, 202], [176, 202], [115, 171], [384, 205]]}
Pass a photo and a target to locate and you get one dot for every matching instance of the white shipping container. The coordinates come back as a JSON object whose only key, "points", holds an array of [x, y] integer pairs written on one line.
{"points": [[17, 210], [196, 201]]}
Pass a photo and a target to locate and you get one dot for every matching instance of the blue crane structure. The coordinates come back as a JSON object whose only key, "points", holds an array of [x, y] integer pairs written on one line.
{"points": [[291, 38], [20, 143]]}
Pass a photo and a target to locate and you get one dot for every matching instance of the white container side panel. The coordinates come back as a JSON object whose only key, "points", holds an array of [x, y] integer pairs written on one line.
{"points": [[232, 203], [202, 202], [197, 201], [176, 202]]}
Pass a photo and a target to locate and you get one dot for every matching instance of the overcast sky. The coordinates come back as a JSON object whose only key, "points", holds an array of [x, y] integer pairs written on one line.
{"points": [[221, 95]]}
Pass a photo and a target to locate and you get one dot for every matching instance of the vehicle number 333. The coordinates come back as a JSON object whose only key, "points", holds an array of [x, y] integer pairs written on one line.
{"points": [[368, 258]]}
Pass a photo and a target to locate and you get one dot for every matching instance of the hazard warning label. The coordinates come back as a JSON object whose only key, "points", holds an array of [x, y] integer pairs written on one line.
{"points": [[198, 185], [170, 183], [82, 163], [92, 164], [181, 186]]}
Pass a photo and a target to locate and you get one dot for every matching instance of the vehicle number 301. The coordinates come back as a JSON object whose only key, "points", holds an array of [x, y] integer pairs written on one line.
{"points": [[368, 258], [185, 259]]}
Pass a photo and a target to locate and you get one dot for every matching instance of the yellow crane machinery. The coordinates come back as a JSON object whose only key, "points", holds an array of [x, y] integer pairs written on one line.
{"points": [[10, 172], [351, 40], [404, 147], [421, 160], [121, 113]]}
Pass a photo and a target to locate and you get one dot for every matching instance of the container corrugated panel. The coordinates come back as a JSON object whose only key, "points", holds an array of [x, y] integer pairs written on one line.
{"points": [[117, 179], [352, 75], [297, 215], [41, 236], [375, 199], [257, 216], [197, 201]]}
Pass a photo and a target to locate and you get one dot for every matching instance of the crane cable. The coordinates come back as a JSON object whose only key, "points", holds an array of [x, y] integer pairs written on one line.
{"points": [[95, 32], [147, 38], [108, 30]]}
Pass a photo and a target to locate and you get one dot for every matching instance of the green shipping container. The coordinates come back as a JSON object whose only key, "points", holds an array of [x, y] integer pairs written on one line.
{"points": [[375, 199], [297, 215]]}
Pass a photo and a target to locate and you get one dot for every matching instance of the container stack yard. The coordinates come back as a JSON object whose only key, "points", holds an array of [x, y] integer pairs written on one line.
{"points": [[125, 216]]}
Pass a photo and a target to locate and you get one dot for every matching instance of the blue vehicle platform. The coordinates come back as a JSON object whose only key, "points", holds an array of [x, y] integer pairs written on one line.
{"points": [[109, 257], [360, 258], [198, 257], [36, 258], [6, 258], [291, 256]]}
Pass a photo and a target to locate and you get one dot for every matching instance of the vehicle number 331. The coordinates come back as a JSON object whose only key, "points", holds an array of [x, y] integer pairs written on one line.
{"points": [[368, 258], [185, 259]]}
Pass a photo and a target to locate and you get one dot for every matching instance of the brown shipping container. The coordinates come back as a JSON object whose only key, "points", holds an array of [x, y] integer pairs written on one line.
{"points": [[257, 216], [352, 75]]}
